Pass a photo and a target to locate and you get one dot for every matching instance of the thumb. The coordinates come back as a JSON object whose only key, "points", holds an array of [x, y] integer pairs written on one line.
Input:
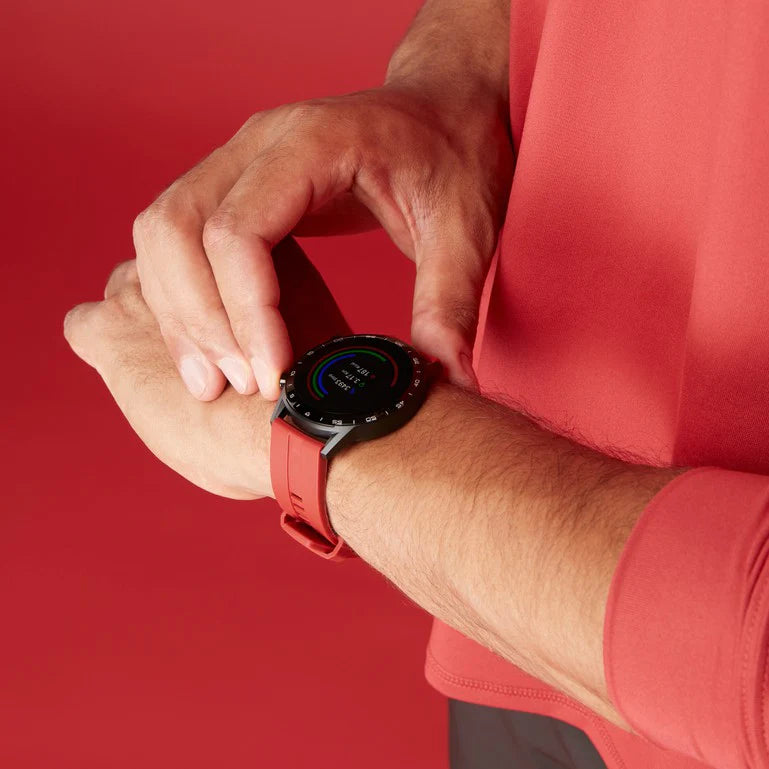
{"points": [[447, 294]]}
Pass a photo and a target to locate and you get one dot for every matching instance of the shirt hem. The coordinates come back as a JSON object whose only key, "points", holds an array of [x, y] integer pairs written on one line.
{"points": [[520, 698]]}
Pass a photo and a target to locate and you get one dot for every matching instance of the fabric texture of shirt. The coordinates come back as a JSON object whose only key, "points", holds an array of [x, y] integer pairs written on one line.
{"points": [[629, 307]]}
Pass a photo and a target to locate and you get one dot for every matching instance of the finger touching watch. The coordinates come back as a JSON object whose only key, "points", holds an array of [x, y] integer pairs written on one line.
{"points": [[348, 389]]}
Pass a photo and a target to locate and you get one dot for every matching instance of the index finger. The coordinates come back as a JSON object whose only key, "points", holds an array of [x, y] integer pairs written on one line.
{"points": [[263, 207]]}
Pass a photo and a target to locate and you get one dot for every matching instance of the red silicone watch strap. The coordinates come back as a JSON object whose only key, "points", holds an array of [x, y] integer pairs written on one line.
{"points": [[298, 472]]}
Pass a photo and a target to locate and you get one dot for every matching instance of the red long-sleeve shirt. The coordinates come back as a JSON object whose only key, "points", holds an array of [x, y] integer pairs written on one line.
{"points": [[630, 307]]}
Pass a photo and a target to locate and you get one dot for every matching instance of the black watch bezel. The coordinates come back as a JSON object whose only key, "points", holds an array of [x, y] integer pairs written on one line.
{"points": [[367, 426]]}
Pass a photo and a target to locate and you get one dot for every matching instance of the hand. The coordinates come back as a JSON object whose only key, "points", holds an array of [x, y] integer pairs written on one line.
{"points": [[222, 447], [434, 176]]}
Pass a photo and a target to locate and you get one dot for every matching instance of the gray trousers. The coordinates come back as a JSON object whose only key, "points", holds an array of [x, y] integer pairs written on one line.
{"points": [[482, 737]]}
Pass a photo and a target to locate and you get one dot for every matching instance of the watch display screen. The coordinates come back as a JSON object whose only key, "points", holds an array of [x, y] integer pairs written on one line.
{"points": [[350, 378]]}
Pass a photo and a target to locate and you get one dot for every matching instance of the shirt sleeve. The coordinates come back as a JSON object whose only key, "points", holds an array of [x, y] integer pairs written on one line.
{"points": [[686, 627]]}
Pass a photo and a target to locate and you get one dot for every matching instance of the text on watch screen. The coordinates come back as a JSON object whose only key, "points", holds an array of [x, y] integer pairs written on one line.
{"points": [[355, 379]]}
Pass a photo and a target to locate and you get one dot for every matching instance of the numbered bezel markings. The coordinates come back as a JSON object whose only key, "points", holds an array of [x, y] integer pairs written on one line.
{"points": [[312, 413]]}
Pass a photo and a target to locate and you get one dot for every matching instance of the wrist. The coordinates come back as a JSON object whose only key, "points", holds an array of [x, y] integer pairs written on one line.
{"points": [[465, 109], [362, 466], [470, 102], [475, 75], [255, 460]]}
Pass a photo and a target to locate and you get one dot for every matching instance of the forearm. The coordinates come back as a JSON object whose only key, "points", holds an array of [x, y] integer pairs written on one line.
{"points": [[506, 532], [458, 49]]}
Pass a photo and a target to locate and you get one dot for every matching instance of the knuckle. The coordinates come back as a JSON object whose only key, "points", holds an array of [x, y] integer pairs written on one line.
{"points": [[123, 272], [139, 228], [221, 228], [163, 218], [80, 324], [252, 123], [71, 321], [130, 302], [127, 267], [301, 113], [318, 132], [313, 126], [146, 223], [131, 270], [122, 291]]}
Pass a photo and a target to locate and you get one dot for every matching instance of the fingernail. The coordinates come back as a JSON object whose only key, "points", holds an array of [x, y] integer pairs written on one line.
{"points": [[194, 375], [260, 370], [233, 370], [256, 367]]}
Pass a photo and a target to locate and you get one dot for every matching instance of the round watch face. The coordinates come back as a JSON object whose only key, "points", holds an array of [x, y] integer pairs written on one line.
{"points": [[353, 380]]}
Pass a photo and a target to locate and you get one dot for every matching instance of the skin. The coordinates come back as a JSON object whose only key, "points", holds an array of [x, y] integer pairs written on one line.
{"points": [[514, 548], [221, 446], [426, 156]]}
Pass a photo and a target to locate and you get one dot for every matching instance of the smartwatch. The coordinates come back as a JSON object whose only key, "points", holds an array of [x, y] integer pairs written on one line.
{"points": [[348, 389]]}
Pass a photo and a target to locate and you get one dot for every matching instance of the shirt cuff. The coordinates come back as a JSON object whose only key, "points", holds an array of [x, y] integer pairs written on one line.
{"points": [[685, 629]]}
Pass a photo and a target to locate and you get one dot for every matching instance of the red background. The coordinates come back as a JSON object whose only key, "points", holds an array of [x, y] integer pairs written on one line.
{"points": [[146, 623]]}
